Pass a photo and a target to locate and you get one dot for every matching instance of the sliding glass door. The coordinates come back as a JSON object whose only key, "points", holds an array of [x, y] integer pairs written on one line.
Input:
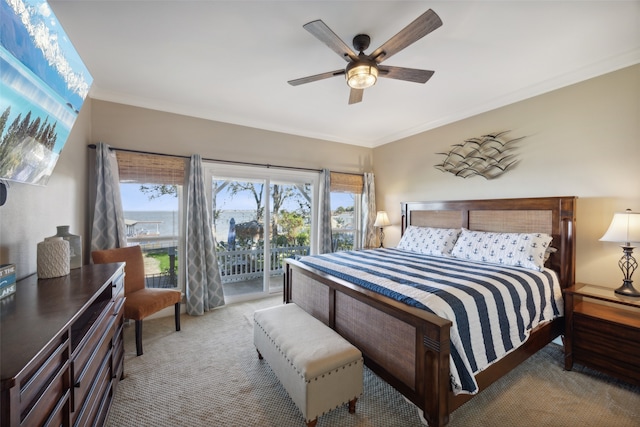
{"points": [[260, 217], [290, 212], [238, 225]]}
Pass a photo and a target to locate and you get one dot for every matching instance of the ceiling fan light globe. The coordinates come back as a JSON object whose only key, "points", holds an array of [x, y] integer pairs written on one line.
{"points": [[361, 76]]}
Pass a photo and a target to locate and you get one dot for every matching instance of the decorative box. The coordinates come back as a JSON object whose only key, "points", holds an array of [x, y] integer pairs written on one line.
{"points": [[7, 280]]}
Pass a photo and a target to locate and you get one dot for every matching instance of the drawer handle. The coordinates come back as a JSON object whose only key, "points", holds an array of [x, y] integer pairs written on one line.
{"points": [[77, 385]]}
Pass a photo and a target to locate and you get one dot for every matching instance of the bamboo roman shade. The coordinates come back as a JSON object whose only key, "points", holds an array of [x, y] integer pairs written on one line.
{"points": [[346, 183], [150, 168]]}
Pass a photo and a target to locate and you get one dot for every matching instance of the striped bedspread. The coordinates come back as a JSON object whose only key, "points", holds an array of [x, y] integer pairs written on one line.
{"points": [[493, 308]]}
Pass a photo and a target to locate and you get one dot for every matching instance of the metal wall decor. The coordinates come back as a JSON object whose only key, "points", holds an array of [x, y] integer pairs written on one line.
{"points": [[488, 156]]}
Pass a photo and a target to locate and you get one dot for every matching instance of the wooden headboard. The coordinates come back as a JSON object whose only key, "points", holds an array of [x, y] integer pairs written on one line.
{"points": [[551, 215]]}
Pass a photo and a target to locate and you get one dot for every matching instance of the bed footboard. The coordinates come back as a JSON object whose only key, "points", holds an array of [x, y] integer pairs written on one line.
{"points": [[407, 347]]}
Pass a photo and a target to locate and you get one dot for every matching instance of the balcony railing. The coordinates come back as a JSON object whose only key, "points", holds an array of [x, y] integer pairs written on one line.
{"points": [[237, 266], [161, 280], [248, 264]]}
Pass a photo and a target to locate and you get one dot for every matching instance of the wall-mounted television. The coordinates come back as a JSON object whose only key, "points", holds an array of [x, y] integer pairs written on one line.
{"points": [[43, 85]]}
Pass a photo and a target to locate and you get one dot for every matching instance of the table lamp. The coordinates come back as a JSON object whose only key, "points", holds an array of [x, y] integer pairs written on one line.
{"points": [[625, 229], [382, 220]]}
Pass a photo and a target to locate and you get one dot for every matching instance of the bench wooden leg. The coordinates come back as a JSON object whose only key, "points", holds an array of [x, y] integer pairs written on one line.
{"points": [[312, 423], [352, 405]]}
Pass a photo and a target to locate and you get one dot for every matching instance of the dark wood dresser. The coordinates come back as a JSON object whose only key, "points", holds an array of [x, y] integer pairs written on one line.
{"points": [[62, 350], [602, 331]]}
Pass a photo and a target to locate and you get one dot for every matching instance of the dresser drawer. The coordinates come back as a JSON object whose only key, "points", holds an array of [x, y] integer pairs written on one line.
{"points": [[118, 305], [118, 348], [50, 399], [44, 382], [102, 325], [89, 360], [117, 289], [60, 413], [105, 404], [100, 387], [612, 341], [603, 363], [606, 327]]}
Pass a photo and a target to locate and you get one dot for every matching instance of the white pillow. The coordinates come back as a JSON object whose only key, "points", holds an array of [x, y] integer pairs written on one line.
{"points": [[525, 250], [428, 240]]}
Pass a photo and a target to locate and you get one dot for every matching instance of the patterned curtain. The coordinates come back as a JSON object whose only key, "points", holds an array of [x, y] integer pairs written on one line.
{"points": [[368, 212], [108, 230], [204, 284], [325, 238]]}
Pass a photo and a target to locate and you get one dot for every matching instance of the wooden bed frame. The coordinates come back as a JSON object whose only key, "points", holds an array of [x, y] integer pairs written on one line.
{"points": [[409, 348]]}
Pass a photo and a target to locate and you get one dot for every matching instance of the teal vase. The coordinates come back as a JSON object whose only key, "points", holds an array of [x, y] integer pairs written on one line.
{"points": [[75, 246]]}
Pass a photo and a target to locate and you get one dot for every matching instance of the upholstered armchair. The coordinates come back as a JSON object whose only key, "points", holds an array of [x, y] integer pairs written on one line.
{"points": [[140, 301]]}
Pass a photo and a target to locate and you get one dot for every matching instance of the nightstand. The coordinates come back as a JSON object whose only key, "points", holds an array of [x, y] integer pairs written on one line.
{"points": [[602, 331]]}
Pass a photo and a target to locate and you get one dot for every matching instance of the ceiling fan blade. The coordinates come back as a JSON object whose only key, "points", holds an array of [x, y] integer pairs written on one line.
{"points": [[423, 25], [408, 74], [323, 33], [355, 96], [315, 78]]}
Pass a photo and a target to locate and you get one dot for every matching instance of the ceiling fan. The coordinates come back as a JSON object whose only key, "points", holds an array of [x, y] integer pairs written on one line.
{"points": [[363, 70]]}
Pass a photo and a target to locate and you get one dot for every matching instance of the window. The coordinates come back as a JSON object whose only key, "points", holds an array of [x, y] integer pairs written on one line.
{"points": [[346, 209], [260, 216], [151, 189]]}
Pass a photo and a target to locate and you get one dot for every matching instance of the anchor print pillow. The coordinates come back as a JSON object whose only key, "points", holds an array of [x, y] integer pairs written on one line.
{"points": [[526, 250], [429, 240]]}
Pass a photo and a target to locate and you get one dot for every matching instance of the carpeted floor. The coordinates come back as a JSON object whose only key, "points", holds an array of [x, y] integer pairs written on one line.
{"points": [[209, 374]]}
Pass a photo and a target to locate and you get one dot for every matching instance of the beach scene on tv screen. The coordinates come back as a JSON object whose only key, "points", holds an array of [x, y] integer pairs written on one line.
{"points": [[43, 85]]}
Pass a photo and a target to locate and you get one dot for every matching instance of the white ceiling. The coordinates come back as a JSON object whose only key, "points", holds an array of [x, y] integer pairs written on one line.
{"points": [[230, 61]]}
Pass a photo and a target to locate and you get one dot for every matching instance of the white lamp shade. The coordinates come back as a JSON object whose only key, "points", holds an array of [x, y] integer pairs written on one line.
{"points": [[624, 228], [382, 219]]}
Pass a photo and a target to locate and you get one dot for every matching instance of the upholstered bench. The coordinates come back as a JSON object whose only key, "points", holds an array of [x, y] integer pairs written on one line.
{"points": [[319, 369]]}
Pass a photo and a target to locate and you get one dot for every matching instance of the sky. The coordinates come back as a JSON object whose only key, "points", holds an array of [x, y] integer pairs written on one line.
{"points": [[134, 200]]}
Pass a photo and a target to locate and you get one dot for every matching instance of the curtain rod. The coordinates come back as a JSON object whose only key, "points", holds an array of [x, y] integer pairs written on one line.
{"points": [[233, 162]]}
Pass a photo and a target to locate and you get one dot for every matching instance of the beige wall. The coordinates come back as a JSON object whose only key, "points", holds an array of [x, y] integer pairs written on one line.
{"points": [[582, 140], [124, 126], [33, 212]]}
